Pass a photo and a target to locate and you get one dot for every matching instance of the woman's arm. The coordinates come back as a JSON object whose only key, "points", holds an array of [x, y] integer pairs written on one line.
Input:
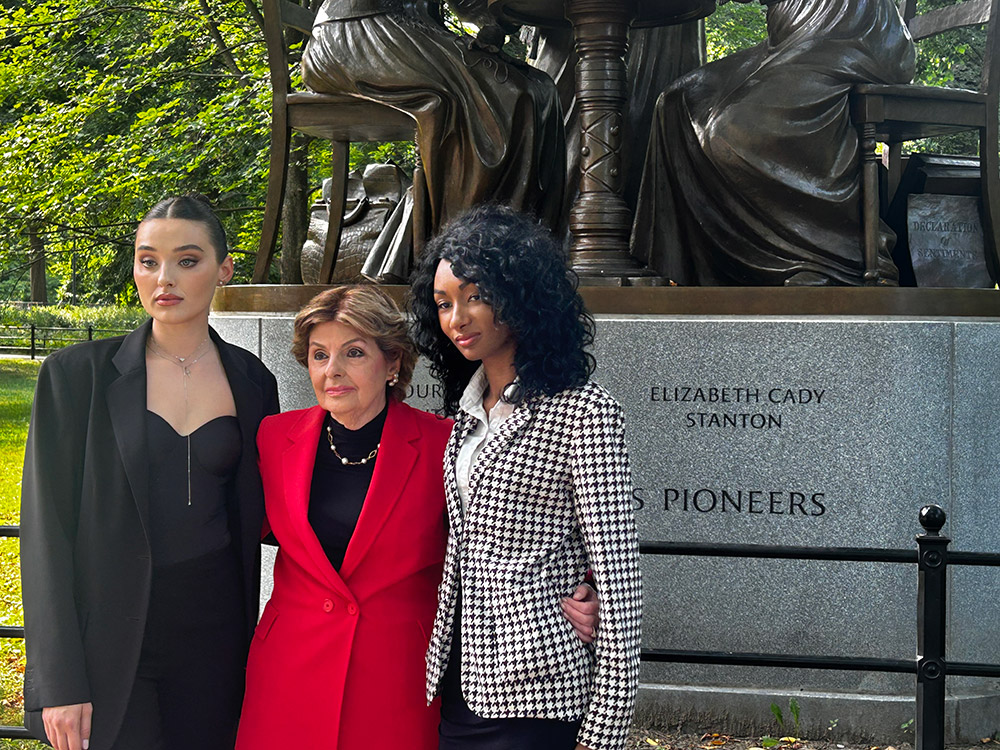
{"points": [[50, 492], [603, 490]]}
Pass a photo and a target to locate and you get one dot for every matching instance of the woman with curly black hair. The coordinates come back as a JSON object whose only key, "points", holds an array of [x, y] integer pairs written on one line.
{"points": [[521, 273], [538, 493]]}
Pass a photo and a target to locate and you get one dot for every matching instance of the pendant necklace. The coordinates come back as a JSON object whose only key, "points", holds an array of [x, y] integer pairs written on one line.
{"points": [[185, 363]]}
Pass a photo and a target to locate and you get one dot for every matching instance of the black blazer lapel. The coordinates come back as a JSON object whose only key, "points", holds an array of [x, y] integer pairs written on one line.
{"points": [[246, 503], [249, 399], [127, 407], [247, 394]]}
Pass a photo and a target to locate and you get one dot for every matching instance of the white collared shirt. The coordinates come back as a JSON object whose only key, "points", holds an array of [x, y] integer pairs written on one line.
{"points": [[485, 430]]}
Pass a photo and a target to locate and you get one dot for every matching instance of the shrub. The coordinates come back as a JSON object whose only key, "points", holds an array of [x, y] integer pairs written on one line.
{"points": [[71, 316]]}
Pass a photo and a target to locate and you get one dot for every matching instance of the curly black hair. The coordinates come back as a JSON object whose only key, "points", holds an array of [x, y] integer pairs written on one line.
{"points": [[522, 273]]}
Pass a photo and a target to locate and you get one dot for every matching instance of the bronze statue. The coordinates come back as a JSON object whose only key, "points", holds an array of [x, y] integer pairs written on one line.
{"points": [[751, 176], [488, 128], [374, 198]]}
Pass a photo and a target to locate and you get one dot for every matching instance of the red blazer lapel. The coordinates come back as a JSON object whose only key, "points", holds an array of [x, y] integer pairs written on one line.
{"points": [[397, 456], [298, 462]]}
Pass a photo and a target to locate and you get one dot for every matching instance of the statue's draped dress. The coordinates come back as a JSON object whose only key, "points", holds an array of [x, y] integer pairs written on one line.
{"points": [[488, 129], [751, 175]]}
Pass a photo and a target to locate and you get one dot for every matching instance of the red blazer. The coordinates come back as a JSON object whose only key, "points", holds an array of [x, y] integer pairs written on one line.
{"points": [[337, 660]]}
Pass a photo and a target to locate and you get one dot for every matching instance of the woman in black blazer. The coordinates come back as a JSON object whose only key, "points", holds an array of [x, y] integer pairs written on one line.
{"points": [[141, 512], [538, 492]]}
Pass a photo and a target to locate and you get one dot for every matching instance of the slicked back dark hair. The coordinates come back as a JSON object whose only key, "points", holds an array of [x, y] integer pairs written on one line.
{"points": [[193, 207], [522, 273]]}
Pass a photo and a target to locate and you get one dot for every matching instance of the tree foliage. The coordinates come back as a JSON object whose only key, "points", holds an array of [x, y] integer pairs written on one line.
{"points": [[104, 109], [734, 26]]}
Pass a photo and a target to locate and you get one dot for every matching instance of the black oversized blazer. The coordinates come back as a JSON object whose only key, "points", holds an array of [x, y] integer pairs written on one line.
{"points": [[85, 552]]}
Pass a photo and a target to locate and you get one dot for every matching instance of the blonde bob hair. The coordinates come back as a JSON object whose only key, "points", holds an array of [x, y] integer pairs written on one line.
{"points": [[369, 311]]}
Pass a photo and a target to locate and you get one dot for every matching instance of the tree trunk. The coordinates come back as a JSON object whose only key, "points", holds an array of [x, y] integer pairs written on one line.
{"points": [[37, 273], [254, 12], [295, 210], [225, 54]]}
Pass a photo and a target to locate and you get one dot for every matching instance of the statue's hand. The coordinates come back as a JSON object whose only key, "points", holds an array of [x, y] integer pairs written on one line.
{"points": [[490, 38], [490, 41]]}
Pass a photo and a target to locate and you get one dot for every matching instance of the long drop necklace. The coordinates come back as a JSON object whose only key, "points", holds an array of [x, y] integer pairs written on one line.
{"points": [[185, 363]]}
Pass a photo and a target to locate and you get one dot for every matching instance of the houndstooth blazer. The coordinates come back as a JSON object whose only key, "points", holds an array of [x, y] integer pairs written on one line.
{"points": [[550, 498]]}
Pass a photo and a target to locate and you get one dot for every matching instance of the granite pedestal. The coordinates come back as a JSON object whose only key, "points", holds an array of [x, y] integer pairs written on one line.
{"points": [[829, 431]]}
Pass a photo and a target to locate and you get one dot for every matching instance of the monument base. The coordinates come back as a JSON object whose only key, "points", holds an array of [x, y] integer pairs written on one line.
{"points": [[795, 429], [854, 717], [690, 300]]}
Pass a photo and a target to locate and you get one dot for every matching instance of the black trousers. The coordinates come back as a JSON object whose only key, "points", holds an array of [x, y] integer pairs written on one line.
{"points": [[189, 686], [461, 729]]}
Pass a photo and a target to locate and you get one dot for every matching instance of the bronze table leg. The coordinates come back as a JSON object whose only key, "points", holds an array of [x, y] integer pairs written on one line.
{"points": [[600, 221]]}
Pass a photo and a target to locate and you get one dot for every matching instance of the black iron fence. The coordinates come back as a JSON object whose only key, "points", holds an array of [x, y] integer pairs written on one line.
{"points": [[12, 733], [930, 665], [41, 340]]}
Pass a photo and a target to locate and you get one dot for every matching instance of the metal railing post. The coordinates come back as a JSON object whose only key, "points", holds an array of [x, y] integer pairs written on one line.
{"points": [[932, 554], [32, 340], [90, 332]]}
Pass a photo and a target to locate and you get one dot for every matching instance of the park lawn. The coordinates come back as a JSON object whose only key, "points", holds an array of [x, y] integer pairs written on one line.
{"points": [[17, 385]]}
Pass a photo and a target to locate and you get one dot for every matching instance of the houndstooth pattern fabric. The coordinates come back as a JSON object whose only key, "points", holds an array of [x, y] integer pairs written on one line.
{"points": [[550, 498]]}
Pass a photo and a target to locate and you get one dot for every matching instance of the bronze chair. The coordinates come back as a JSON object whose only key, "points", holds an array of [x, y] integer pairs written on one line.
{"points": [[338, 119], [893, 114]]}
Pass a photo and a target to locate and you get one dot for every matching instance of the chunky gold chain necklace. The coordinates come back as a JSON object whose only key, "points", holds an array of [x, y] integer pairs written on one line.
{"points": [[347, 461]]}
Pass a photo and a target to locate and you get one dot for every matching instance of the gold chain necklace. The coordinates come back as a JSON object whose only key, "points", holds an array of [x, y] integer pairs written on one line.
{"points": [[185, 363], [346, 461]]}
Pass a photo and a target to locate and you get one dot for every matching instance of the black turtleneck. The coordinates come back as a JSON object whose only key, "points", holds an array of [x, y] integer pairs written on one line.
{"points": [[338, 491]]}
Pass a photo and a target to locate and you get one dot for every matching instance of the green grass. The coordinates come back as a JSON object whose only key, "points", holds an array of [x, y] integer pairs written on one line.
{"points": [[17, 385]]}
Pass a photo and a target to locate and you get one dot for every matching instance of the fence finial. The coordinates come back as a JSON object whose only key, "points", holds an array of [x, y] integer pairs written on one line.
{"points": [[932, 518]]}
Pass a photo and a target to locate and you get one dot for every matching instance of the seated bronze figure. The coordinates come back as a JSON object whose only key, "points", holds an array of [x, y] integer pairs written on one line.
{"points": [[751, 176], [488, 128]]}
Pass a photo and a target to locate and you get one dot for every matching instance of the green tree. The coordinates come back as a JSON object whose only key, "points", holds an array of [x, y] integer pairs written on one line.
{"points": [[106, 109], [734, 26]]}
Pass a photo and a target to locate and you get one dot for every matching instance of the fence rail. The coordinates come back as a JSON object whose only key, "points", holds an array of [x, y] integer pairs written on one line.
{"points": [[40, 340], [930, 666]]}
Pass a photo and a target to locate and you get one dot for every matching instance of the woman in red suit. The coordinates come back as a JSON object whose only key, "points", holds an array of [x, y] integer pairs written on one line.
{"points": [[354, 495]]}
